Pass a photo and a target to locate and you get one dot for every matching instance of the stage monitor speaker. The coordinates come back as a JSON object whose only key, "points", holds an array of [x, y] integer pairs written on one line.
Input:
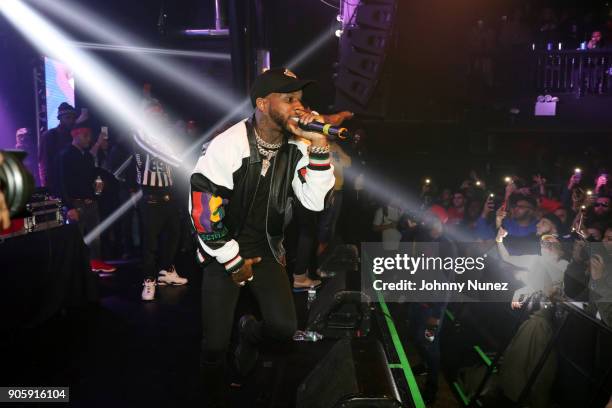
{"points": [[338, 313], [354, 374], [376, 15]]}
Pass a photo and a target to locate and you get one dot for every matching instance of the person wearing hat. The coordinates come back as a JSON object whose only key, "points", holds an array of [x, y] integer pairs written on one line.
{"points": [[78, 187], [242, 190], [549, 224], [52, 143]]}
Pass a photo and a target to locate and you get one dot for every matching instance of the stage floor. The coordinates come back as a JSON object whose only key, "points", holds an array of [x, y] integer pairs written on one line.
{"points": [[127, 352]]}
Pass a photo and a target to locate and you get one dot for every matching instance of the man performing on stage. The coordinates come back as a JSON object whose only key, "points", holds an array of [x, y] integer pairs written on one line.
{"points": [[242, 190]]}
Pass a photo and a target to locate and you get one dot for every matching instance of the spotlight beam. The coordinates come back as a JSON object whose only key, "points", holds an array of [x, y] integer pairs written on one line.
{"points": [[156, 51], [98, 81], [386, 192], [245, 105], [103, 30], [313, 47], [110, 220], [238, 111]]}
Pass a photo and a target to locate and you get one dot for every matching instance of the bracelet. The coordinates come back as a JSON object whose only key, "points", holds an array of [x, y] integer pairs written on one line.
{"points": [[318, 149]]}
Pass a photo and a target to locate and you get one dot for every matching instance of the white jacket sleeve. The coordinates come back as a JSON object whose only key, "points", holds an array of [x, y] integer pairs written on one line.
{"points": [[313, 179], [211, 186]]}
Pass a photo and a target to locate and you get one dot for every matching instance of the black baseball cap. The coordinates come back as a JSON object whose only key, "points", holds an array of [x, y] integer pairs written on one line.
{"points": [[65, 109], [279, 80]]}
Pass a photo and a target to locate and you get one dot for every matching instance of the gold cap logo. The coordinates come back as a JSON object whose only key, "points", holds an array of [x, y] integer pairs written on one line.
{"points": [[290, 74]]}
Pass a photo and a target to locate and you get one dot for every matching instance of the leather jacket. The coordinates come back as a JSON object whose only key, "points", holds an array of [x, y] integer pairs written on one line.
{"points": [[225, 182]]}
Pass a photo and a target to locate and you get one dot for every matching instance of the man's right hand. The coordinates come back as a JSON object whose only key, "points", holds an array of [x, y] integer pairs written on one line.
{"points": [[245, 272]]}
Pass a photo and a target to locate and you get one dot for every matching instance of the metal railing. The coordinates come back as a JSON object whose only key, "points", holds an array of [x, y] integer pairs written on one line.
{"points": [[581, 72]]}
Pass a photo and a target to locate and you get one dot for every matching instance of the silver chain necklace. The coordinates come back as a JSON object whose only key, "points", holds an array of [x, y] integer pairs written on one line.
{"points": [[268, 151], [270, 146]]}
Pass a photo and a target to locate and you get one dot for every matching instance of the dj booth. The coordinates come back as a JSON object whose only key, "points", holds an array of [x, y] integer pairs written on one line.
{"points": [[43, 273]]}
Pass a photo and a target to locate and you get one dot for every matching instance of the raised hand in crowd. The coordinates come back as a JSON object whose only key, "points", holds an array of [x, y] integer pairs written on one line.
{"points": [[499, 217], [578, 197], [96, 146], [601, 182], [488, 208], [578, 223], [510, 188], [574, 180], [501, 234]]}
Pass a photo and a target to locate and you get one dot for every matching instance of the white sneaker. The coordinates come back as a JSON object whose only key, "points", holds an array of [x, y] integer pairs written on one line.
{"points": [[148, 292], [170, 278]]}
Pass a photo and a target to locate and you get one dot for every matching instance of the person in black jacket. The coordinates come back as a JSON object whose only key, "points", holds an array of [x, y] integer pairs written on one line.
{"points": [[78, 188], [52, 143], [242, 189]]}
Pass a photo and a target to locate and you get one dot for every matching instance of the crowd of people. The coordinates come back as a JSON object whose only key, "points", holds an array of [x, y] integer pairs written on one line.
{"points": [[93, 177], [554, 241]]}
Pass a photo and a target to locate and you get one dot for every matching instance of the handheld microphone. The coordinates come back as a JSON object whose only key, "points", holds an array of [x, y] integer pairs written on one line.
{"points": [[334, 132]]}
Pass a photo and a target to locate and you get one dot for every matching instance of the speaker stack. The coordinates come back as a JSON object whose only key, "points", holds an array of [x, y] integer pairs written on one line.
{"points": [[365, 40]]}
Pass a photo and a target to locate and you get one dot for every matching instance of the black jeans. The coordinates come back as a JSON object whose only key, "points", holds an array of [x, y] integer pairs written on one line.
{"points": [[307, 235], [160, 227], [329, 218], [270, 286]]}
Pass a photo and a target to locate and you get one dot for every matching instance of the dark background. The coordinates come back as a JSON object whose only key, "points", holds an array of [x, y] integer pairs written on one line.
{"points": [[429, 117]]}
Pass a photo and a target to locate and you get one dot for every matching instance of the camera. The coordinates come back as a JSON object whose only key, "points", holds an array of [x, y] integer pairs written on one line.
{"points": [[16, 182]]}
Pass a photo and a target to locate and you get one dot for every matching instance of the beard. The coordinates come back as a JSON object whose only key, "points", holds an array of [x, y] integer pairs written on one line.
{"points": [[279, 120]]}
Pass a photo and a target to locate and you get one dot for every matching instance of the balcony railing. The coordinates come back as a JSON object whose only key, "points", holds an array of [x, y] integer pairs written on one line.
{"points": [[579, 72]]}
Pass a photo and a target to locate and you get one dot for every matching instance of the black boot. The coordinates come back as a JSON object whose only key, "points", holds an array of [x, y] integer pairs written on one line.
{"points": [[246, 354]]}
